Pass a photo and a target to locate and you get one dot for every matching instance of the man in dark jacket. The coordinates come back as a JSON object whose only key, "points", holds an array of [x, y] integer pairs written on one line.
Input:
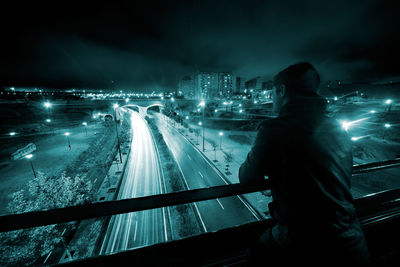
{"points": [[307, 159]]}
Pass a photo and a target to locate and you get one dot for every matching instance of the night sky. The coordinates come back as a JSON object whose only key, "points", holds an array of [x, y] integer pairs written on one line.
{"points": [[151, 45]]}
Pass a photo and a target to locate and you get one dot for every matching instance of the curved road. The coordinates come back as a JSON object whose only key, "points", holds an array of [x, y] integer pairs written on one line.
{"points": [[142, 178]]}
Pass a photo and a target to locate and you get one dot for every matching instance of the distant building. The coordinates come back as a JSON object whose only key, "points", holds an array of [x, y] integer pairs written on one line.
{"points": [[186, 87], [258, 87], [214, 85]]}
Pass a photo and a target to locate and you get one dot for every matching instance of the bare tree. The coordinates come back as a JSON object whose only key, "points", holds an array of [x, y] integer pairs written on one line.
{"points": [[228, 159], [214, 146], [197, 133]]}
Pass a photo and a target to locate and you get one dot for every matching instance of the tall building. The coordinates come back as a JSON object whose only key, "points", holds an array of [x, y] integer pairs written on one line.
{"points": [[213, 85], [186, 87]]}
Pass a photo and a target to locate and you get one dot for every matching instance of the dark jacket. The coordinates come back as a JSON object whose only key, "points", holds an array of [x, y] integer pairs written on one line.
{"points": [[307, 159]]}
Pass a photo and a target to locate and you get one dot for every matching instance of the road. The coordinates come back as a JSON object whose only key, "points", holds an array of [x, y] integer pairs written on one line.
{"points": [[142, 178], [199, 173]]}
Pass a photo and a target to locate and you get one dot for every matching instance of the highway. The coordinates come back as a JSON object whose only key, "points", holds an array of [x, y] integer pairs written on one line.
{"points": [[199, 173], [142, 178]]}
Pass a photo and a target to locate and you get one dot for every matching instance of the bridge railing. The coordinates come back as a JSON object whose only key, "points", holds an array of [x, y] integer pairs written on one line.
{"points": [[107, 208], [379, 214]]}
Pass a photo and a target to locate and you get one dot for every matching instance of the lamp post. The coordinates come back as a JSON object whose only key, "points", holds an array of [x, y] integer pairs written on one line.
{"points": [[116, 130], [220, 140], [47, 105], [69, 143], [389, 103], [203, 104], [387, 126], [29, 157], [85, 124]]}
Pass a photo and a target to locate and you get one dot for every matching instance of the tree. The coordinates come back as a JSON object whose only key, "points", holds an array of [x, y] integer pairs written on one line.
{"points": [[214, 146], [228, 159], [197, 133], [24, 247]]}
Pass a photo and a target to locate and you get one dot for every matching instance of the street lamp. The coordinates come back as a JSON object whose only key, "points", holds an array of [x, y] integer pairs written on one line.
{"points": [[220, 139], [372, 111], [203, 104], [29, 156], [127, 100], [48, 120], [69, 143], [387, 126], [85, 124], [116, 130], [389, 103], [47, 104], [12, 133]]}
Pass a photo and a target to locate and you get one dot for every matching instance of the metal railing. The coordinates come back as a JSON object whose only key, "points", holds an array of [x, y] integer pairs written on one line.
{"points": [[76, 213]]}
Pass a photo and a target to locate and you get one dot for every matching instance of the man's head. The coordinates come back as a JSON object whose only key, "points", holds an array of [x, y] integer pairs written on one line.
{"points": [[296, 81]]}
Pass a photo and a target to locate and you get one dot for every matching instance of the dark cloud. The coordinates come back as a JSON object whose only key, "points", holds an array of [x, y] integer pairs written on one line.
{"points": [[152, 44]]}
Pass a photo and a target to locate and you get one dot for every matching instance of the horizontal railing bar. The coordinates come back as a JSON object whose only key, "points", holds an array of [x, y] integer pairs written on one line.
{"points": [[376, 166], [107, 208]]}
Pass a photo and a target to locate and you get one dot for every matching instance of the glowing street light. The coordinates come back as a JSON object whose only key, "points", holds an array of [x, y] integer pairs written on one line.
{"points": [[187, 117], [47, 104], [220, 139], [389, 103], [48, 120], [115, 105], [12, 133], [29, 157], [127, 100], [172, 99], [387, 126], [67, 134], [372, 111], [200, 123]]}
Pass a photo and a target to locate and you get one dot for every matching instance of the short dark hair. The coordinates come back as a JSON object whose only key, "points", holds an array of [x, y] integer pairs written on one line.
{"points": [[299, 79]]}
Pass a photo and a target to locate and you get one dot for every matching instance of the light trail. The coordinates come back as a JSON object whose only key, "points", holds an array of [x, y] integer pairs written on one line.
{"points": [[142, 178]]}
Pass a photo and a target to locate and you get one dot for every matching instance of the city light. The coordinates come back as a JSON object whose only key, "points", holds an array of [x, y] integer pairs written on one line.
{"points": [[346, 124], [127, 100], [48, 120], [116, 105], [372, 111], [202, 104], [221, 133], [67, 134], [335, 98], [388, 101], [94, 117], [187, 117], [387, 125], [216, 110], [29, 156], [200, 123], [84, 123], [240, 111], [12, 133], [172, 99], [47, 104]]}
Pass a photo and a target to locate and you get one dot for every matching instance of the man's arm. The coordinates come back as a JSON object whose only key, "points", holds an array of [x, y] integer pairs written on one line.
{"points": [[260, 159]]}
